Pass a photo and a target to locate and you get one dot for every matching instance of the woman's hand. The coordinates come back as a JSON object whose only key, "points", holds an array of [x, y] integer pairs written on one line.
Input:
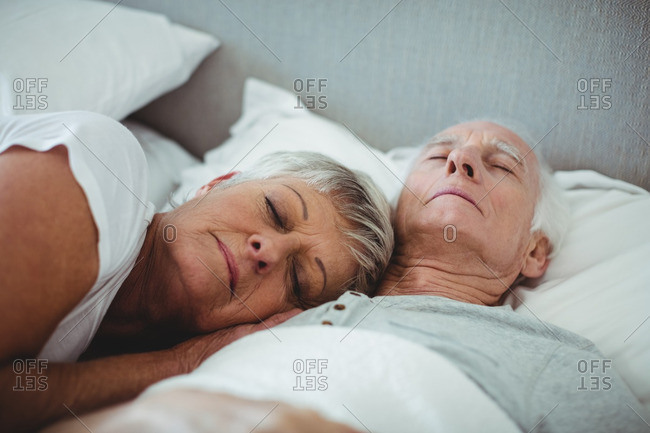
{"points": [[193, 352]]}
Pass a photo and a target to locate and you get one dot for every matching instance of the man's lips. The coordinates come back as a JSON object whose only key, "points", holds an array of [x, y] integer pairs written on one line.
{"points": [[457, 192], [232, 265]]}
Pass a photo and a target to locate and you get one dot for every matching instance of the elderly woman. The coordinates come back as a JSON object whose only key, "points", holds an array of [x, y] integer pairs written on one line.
{"points": [[84, 254]]}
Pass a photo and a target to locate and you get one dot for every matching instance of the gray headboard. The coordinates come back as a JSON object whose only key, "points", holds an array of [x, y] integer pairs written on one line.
{"points": [[576, 73]]}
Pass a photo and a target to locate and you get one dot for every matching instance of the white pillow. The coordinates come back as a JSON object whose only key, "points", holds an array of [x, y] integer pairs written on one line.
{"points": [[270, 123], [91, 55], [166, 159], [597, 286]]}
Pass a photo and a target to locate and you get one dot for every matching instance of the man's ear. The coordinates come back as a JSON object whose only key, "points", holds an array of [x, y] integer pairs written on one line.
{"points": [[208, 186], [536, 260]]}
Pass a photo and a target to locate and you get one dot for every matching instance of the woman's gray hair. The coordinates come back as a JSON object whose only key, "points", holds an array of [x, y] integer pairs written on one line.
{"points": [[354, 196]]}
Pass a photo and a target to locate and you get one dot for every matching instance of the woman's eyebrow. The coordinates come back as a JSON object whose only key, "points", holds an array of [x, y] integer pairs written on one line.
{"points": [[305, 214]]}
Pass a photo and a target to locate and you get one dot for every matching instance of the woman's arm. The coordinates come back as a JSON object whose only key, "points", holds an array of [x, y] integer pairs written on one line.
{"points": [[49, 258], [38, 396], [200, 411], [73, 389], [48, 262]]}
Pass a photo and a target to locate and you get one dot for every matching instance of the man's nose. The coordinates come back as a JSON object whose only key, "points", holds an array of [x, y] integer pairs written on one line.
{"points": [[463, 161], [267, 251]]}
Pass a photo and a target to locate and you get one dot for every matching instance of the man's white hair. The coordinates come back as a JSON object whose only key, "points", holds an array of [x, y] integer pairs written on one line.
{"points": [[551, 215]]}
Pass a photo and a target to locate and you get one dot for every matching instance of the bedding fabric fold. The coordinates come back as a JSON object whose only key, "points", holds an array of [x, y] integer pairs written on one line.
{"points": [[358, 377]]}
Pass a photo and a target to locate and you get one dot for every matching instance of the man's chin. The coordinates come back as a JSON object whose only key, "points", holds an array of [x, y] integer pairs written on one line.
{"points": [[463, 218]]}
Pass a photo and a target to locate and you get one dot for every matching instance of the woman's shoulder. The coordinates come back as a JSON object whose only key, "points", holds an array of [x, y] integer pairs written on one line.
{"points": [[107, 162], [90, 138]]}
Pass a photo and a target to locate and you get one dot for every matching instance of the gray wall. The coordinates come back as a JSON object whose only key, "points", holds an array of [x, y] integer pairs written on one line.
{"points": [[397, 72]]}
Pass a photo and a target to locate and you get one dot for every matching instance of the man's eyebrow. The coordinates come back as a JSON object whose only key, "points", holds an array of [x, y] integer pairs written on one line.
{"points": [[442, 140], [510, 150], [322, 269], [305, 214]]}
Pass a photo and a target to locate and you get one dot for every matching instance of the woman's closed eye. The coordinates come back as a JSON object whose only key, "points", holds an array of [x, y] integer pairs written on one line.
{"points": [[296, 288], [293, 282], [277, 219]]}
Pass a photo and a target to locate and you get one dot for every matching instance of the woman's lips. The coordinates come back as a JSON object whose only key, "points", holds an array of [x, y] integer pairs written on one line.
{"points": [[232, 265]]}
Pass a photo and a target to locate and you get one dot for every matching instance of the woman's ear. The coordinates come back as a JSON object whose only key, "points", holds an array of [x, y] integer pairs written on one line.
{"points": [[208, 186], [537, 260]]}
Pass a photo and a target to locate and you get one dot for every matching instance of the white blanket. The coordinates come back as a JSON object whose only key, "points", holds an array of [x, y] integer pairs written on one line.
{"points": [[368, 380]]}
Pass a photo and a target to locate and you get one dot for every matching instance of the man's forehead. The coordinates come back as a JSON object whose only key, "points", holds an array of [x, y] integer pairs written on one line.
{"points": [[490, 134], [488, 130], [453, 140]]}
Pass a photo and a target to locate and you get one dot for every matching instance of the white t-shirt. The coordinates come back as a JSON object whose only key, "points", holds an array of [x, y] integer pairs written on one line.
{"points": [[109, 165]]}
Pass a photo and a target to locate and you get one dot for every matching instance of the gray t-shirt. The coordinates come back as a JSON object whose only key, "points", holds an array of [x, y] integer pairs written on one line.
{"points": [[546, 378]]}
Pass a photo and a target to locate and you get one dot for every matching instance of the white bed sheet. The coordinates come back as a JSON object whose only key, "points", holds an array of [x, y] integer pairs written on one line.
{"points": [[374, 381]]}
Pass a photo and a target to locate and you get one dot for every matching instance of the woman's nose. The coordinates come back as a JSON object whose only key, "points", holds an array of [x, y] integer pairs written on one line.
{"points": [[268, 251]]}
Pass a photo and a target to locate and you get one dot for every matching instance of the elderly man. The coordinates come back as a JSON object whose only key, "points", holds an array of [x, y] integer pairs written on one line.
{"points": [[476, 214]]}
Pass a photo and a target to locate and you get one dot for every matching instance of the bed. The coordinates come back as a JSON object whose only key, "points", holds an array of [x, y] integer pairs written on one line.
{"points": [[210, 86]]}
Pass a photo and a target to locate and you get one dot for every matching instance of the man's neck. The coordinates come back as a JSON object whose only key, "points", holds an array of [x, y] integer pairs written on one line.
{"points": [[472, 282]]}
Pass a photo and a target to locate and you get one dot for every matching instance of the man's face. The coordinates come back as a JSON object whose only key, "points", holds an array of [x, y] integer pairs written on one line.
{"points": [[472, 191]]}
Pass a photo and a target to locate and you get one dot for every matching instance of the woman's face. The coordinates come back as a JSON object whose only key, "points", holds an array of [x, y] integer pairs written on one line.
{"points": [[243, 253]]}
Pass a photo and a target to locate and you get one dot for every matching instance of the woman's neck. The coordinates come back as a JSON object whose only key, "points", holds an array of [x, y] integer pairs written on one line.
{"points": [[134, 307]]}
